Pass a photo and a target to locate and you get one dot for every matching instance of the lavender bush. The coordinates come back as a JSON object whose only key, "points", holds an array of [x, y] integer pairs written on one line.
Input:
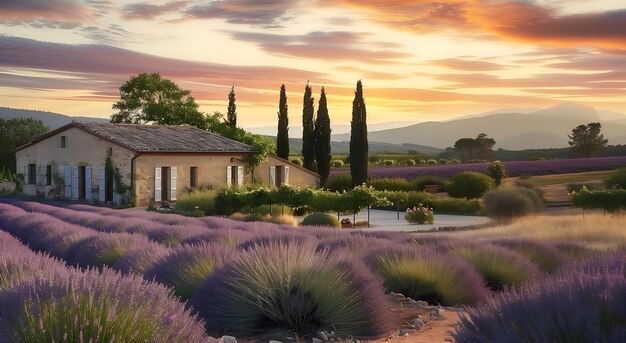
{"points": [[94, 307], [582, 304], [106, 249], [187, 266]]}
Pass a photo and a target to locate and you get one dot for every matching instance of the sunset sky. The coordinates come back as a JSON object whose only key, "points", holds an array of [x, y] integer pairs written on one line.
{"points": [[419, 60]]}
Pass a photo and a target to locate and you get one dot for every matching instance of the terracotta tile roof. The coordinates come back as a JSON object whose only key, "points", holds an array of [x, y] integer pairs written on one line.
{"points": [[154, 138], [163, 138]]}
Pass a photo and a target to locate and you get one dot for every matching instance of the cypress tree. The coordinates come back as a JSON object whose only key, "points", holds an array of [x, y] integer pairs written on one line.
{"points": [[232, 109], [308, 127], [322, 139], [282, 137], [358, 138]]}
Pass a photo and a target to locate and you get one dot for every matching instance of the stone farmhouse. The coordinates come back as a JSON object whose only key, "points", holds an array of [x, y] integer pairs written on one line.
{"points": [[154, 162]]}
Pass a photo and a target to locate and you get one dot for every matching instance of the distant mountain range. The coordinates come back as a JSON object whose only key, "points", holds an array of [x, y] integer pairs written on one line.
{"points": [[512, 128], [53, 120], [544, 128], [296, 131]]}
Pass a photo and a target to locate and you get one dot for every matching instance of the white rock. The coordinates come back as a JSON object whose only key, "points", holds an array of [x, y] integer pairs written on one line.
{"points": [[229, 339], [322, 335], [317, 340]]}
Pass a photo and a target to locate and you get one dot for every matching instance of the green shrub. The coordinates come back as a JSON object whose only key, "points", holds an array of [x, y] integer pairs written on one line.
{"points": [[337, 163], [445, 205], [281, 219], [388, 163], [443, 161], [321, 219], [420, 215], [339, 183], [512, 202], [469, 185], [431, 161], [577, 187], [295, 160], [421, 181], [203, 202], [497, 171], [391, 184], [409, 162], [455, 161], [617, 179], [610, 200]]}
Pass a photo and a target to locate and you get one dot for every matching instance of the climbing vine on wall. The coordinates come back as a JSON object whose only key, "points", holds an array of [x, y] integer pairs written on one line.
{"points": [[116, 177]]}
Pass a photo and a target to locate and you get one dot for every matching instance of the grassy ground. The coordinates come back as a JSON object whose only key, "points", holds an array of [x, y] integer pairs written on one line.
{"points": [[554, 187], [563, 179], [596, 230]]}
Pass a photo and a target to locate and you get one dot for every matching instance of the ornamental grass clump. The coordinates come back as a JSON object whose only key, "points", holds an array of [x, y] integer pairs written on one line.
{"points": [[321, 219], [582, 304], [282, 290], [420, 214], [95, 307], [424, 274], [500, 268], [185, 267], [544, 255]]}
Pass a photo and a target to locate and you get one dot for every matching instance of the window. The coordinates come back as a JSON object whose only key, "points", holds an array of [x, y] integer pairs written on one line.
{"points": [[32, 174], [109, 151], [48, 175], [234, 176], [62, 141], [193, 177]]}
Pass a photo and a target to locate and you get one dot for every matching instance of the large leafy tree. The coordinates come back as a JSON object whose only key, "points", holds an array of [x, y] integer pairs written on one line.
{"points": [[231, 114], [308, 128], [322, 139], [587, 139], [282, 138], [480, 147], [16, 132], [149, 98], [358, 138]]}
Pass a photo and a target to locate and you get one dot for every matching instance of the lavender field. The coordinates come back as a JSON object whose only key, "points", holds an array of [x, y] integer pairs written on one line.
{"points": [[514, 168], [101, 275]]}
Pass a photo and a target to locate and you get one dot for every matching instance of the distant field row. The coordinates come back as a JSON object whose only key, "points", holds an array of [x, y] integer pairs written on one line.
{"points": [[514, 168]]}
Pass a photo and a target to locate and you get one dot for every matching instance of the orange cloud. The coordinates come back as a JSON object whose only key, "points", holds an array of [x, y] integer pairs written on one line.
{"points": [[33, 10], [523, 21]]}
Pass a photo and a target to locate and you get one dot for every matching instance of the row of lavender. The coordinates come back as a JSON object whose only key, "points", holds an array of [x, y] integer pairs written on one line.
{"points": [[514, 168], [255, 278], [42, 300]]}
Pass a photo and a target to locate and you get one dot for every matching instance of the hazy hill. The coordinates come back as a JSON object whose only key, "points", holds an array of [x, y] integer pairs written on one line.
{"points": [[546, 128], [296, 131], [342, 148], [53, 120]]}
